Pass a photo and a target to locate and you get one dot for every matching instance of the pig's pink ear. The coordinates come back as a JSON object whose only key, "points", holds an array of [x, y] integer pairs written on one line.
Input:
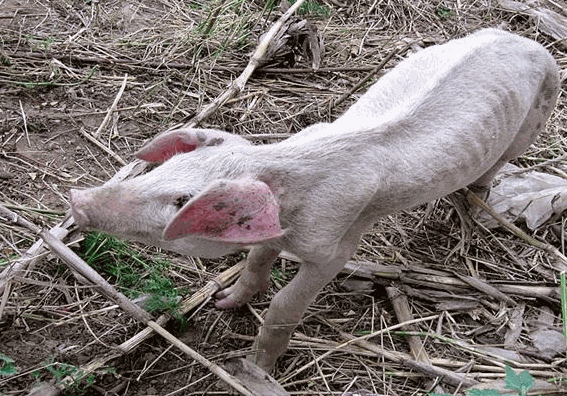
{"points": [[165, 146], [243, 211]]}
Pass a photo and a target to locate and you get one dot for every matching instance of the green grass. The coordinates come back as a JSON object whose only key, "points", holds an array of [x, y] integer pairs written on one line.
{"points": [[314, 9], [39, 43], [5, 262], [270, 5], [133, 275], [280, 276], [443, 12]]}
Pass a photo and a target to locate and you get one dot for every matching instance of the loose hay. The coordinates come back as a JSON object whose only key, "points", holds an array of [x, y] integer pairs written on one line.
{"points": [[61, 68]]}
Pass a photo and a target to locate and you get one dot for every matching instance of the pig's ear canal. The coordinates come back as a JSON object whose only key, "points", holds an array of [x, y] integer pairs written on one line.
{"points": [[165, 146], [243, 211]]}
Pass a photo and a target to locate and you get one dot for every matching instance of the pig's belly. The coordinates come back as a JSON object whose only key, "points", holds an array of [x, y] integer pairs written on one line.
{"points": [[200, 247]]}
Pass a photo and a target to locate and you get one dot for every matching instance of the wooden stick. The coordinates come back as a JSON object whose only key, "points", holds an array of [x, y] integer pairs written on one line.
{"points": [[219, 282], [214, 368], [430, 370], [78, 265], [561, 259], [237, 85], [102, 146], [401, 307], [112, 109], [18, 267]]}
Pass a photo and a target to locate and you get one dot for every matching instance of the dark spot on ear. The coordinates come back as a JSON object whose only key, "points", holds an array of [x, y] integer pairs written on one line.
{"points": [[182, 200], [220, 206], [538, 126], [215, 142], [243, 220], [201, 136]]}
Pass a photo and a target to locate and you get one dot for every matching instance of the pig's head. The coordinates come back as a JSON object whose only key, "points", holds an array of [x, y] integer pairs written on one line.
{"points": [[200, 201]]}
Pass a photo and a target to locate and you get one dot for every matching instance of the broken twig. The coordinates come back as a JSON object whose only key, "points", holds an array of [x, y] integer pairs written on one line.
{"points": [[257, 57]]}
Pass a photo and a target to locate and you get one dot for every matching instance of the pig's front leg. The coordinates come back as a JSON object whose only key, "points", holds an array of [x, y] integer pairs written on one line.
{"points": [[254, 278]]}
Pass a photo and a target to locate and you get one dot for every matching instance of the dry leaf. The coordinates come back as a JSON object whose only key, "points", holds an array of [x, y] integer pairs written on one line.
{"points": [[548, 21], [531, 196]]}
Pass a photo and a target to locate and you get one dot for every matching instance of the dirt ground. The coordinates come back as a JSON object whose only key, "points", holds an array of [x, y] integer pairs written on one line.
{"points": [[62, 65]]}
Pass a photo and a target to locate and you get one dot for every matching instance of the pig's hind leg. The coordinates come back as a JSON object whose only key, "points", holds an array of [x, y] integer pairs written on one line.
{"points": [[534, 122], [254, 278]]}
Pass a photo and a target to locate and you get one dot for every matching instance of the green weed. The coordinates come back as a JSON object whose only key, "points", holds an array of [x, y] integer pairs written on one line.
{"points": [[443, 12], [313, 8], [196, 5], [132, 274], [4, 262], [484, 392], [522, 383], [39, 44], [69, 376], [7, 366], [280, 276]]}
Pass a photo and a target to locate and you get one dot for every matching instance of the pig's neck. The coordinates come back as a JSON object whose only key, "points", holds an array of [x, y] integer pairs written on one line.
{"points": [[318, 161]]}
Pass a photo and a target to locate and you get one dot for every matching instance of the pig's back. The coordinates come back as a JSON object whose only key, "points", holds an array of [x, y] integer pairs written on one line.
{"points": [[481, 60], [435, 123]]}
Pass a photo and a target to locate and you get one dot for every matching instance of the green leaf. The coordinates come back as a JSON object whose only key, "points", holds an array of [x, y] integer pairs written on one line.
{"points": [[7, 366], [484, 392], [526, 380], [521, 382]]}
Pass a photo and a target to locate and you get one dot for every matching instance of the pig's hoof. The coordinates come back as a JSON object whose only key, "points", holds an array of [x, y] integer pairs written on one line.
{"points": [[227, 303], [236, 295], [262, 361], [483, 192]]}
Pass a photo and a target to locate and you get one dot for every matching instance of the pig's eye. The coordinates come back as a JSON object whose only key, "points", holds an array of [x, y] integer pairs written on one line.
{"points": [[182, 200]]}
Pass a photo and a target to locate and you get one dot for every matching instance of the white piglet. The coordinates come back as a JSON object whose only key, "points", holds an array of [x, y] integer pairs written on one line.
{"points": [[445, 118]]}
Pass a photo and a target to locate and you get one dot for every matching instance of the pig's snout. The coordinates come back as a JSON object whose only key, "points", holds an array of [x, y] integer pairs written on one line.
{"points": [[79, 201]]}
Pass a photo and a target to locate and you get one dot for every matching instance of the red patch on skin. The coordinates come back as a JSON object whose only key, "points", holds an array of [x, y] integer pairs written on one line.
{"points": [[241, 212]]}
